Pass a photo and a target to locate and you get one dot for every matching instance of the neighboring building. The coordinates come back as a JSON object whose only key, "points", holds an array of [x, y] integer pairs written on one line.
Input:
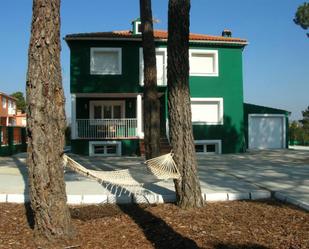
{"points": [[21, 119], [7, 110], [106, 85]]}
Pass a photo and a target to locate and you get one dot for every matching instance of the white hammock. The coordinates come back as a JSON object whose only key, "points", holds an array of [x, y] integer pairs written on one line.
{"points": [[155, 170]]}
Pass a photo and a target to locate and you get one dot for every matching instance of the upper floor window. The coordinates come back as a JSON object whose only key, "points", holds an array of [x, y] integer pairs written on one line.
{"points": [[3, 102], [203, 62], [207, 111], [106, 61], [12, 107], [161, 61]]}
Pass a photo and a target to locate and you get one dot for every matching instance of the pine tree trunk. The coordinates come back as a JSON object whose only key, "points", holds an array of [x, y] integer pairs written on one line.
{"points": [[151, 100], [188, 190], [45, 125]]}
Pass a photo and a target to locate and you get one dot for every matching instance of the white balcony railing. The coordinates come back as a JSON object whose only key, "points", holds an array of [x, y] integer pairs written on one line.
{"points": [[106, 128]]}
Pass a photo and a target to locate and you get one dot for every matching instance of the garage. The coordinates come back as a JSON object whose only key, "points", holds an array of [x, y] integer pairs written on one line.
{"points": [[266, 131], [265, 127]]}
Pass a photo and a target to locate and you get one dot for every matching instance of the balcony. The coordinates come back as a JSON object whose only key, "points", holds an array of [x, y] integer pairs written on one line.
{"points": [[123, 128]]}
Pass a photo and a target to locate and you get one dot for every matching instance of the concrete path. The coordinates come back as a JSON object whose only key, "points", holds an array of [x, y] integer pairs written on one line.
{"points": [[285, 173]]}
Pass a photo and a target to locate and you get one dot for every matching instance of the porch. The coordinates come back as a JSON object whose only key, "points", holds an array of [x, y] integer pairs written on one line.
{"points": [[106, 116]]}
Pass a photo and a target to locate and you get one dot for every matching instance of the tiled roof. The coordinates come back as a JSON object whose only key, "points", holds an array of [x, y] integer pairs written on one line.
{"points": [[7, 96], [158, 34]]}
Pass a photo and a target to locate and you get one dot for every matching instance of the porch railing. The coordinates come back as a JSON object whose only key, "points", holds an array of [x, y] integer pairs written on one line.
{"points": [[106, 128]]}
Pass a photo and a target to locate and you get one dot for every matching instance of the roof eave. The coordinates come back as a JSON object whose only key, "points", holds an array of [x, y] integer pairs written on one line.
{"points": [[241, 43]]}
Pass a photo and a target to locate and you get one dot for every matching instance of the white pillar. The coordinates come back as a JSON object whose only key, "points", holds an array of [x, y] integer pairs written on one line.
{"points": [[139, 116], [73, 117]]}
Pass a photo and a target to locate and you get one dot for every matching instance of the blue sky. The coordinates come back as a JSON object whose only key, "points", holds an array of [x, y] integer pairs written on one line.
{"points": [[276, 62]]}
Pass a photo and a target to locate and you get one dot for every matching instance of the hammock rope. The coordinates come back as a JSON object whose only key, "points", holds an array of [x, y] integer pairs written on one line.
{"points": [[155, 170]]}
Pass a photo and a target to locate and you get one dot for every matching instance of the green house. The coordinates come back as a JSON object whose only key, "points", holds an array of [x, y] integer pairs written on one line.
{"points": [[106, 84]]}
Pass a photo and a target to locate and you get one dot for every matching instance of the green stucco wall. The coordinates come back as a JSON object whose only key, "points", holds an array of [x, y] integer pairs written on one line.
{"points": [[129, 147], [229, 86], [258, 109], [83, 82]]}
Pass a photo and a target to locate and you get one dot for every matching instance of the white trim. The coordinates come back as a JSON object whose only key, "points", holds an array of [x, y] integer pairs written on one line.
{"points": [[119, 52], [73, 116], [139, 117], [217, 142], [141, 66], [162, 40], [206, 52], [221, 110], [92, 143], [268, 115], [109, 102]]}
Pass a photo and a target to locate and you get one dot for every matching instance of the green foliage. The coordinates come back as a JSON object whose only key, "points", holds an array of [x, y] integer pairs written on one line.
{"points": [[302, 16], [305, 120], [21, 103], [299, 131]]}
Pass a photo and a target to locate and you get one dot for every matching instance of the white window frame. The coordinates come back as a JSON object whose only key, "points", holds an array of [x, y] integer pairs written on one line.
{"points": [[141, 66], [104, 143], [206, 52], [216, 142], [4, 102], [107, 102], [221, 110], [119, 52]]}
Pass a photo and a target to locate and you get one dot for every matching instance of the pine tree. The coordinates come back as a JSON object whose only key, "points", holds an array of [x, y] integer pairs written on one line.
{"points": [[151, 100], [45, 126], [302, 16], [21, 103], [188, 190]]}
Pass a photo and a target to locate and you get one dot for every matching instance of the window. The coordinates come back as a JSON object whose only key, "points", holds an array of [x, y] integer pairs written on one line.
{"points": [[106, 61], [207, 111], [3, 102], [161, 61], [208, 146], [107, 109], [203, 62], [105, 148]]}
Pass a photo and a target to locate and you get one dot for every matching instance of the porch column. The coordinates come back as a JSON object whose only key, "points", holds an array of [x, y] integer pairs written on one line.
{"points": [[139, 116], [73, 116]]}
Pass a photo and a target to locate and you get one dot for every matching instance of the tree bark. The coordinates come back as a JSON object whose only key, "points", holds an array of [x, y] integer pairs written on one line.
{"points": [[46, 125], [151, 100], [188, 190]]}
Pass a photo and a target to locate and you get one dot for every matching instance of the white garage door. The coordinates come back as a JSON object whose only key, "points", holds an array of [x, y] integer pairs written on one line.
{"points": [[266, 131]]}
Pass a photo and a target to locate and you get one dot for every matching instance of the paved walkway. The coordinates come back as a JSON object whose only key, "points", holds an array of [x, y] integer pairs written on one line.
{"points": [[284, 173]]}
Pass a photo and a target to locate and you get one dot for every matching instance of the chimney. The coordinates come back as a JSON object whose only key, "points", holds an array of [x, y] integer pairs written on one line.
{"points": [[136, 27], [227, 33]]}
